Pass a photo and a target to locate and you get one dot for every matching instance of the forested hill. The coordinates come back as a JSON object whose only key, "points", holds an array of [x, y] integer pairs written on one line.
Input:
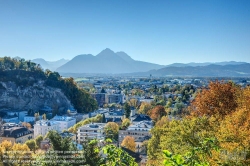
{"points": [[29, 75]]}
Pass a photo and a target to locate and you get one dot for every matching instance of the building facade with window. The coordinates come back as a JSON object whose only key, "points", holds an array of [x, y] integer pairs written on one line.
{"points": [[138, 130], [42, 127], [90, 131], [17, 135], [64, 122]]}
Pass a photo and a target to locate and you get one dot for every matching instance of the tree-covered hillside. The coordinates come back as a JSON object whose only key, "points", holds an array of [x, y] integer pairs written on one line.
{"points": [[26, 73]]}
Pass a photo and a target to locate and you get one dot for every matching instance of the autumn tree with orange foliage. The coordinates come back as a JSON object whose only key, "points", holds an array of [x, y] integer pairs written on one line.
{"points": [[129, 143], [220, 112], [219, 99], [157, 112], [234, 131]]}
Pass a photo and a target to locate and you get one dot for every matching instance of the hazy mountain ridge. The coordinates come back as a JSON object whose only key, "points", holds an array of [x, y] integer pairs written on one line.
{"points": [[107, 61], [51, 65], [194, 64], [232, 70]]}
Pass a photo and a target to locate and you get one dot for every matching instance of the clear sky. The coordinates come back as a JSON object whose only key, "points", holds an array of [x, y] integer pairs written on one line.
{"points": [[155, 31]]}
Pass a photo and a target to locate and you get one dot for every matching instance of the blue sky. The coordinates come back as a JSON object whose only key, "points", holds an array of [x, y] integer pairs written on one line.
{"points": [[156, 31]]}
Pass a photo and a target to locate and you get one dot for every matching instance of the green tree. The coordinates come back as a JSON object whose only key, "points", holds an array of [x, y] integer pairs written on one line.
{"points": [[197, 156], [103, 118], [127, 110], [59, 143], [92, 153], [179, 136], [31, 144], [117, 157], [38, 140]]}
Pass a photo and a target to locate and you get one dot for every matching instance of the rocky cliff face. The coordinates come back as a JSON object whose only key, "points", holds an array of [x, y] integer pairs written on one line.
{"points": [[34, 97]]}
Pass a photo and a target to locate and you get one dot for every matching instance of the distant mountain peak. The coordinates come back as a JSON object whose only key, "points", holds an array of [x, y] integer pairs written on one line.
{"points": [[107, 61], [106, 51]]}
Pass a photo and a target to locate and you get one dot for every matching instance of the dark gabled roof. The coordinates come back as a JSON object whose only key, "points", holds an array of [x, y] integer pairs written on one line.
{"points": [[113, 119], [117, 113], [16, 132], [141, 139], [136, 156], [117, 120], [93, 126], [141, 117]]}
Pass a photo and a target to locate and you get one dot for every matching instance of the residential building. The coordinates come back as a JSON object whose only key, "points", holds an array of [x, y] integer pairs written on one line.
{"points": [[18, 113], [115, 114], [17, 135], [45, 144], [100, 98], [140, 117], [10, 119], [10, 125], [138, 130], [64, 122], [90, 131], [113, 98], [30, 118], [42, 127], [99, 111], [108, 98], [116, 120]]}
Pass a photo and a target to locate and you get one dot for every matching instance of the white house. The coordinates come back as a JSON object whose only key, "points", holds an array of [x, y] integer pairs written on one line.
{"points": [[42, 127], [138, 130], [64, 122]]}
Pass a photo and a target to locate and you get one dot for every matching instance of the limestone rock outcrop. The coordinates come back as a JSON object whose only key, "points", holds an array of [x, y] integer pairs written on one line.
{"points": [[13, 97]]}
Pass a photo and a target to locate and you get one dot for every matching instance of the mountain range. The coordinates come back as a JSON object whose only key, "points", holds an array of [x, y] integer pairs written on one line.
{"points": [[51, 65], [231, 70], [205, 64], [108, 62]]}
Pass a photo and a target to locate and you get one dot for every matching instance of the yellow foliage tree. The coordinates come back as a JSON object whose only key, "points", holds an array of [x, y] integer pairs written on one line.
{"points": [[126, 122], [133, 103], [234, 131], [144, 108], [111, 130], [129, 143], [17, 152]]}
